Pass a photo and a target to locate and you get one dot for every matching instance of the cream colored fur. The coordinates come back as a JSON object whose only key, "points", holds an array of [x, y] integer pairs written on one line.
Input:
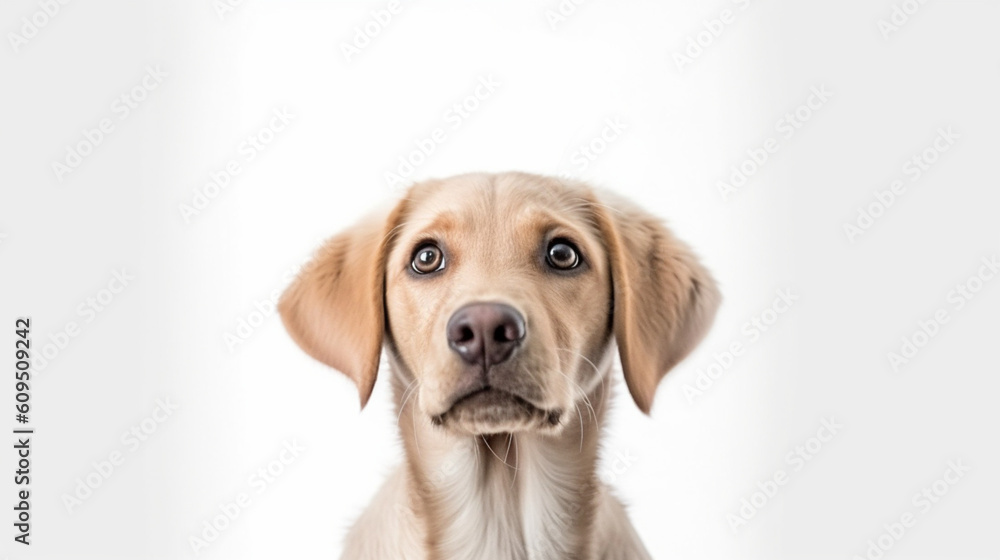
{"points": [[508, 485]]}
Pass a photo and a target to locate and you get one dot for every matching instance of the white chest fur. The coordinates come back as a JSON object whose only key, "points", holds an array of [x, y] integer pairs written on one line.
{"points": [[505, 504]]}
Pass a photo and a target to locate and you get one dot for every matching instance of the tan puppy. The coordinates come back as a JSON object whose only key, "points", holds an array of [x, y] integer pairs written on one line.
{"points": [[500, 300]]}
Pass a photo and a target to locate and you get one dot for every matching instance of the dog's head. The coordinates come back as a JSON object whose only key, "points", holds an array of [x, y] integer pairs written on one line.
{"points": [[498, 296]]}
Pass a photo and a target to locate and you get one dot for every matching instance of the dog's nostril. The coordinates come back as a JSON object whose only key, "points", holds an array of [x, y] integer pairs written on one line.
{"points": [[502, 334], [509, 331], [465, 335]]}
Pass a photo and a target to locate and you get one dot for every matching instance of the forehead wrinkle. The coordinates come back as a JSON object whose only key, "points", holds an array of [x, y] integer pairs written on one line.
{"points": [[431, 219], [546, 220], [444, 222]]}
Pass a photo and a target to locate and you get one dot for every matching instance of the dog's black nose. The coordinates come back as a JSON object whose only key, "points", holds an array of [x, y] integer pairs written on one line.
{"points": [[485, 333]]}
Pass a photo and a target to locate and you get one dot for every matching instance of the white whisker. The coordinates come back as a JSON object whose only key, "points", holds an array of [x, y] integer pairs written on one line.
{"points": [[413, 420], [407, 393], [586, 399], [517, 459], [495, 454]]}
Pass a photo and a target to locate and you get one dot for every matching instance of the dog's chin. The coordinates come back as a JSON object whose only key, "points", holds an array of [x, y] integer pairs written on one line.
{"points": [[493, 411]]}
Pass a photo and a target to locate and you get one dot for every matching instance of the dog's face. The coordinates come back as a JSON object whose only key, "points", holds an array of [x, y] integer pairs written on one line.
{"points": [[498, 298]]}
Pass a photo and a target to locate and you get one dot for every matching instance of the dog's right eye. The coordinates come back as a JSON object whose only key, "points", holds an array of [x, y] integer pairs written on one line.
{"points": [[427, 258], [562, 255]]}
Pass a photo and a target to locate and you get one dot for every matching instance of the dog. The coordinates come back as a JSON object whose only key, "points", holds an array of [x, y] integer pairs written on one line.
{"points": [[500, 301]]}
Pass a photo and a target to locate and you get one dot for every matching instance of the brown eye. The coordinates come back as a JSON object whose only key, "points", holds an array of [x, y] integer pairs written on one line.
{"points": [[562, 255], [428, 258]]}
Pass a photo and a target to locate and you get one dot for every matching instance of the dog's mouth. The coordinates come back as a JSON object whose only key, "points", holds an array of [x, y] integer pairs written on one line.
{"points": [[489, 410]]}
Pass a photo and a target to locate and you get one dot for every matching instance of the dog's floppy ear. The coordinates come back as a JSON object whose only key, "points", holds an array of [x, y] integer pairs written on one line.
{"points": [[664, 300], [334, 310]]}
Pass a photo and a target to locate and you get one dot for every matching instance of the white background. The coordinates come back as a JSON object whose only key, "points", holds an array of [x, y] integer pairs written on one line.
{"points": [[692, 461]]}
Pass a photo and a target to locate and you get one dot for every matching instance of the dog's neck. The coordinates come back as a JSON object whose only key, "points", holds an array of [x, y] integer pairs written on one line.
{"points": [[504, 496]]}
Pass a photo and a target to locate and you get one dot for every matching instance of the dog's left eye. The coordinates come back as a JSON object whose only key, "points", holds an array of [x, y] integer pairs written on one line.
{"points": [[562, 255], [428, 258]]}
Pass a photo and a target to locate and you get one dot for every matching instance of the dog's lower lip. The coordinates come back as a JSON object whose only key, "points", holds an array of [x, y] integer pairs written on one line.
{"points": [[471, 394], [491, 389], [552, 417]]}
